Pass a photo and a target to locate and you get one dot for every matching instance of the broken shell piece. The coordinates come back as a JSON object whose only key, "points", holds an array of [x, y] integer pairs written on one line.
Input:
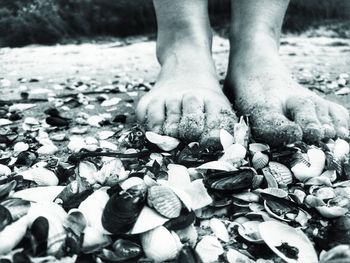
{"points": [[39, 194], [164, 201], [331, 212], [226, 139], [209, 249], [166, 143], [42, 176], [147, 220], [250, 231], [286, 238], [160, 244], [317, 160], [341, 149], [219, 229], [234, 154]]}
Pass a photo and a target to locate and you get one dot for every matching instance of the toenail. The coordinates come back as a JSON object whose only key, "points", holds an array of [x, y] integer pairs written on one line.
{"points": [[343, 132]]}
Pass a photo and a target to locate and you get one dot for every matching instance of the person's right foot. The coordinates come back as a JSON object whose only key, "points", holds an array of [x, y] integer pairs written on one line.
{"points": [[187, 101]]}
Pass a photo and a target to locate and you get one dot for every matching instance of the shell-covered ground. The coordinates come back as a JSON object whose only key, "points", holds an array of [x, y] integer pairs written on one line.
{"points": [[80, 182]]}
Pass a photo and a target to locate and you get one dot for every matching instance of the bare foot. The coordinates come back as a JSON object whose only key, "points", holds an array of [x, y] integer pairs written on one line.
{"points": [[187, 101], [281, 110]]}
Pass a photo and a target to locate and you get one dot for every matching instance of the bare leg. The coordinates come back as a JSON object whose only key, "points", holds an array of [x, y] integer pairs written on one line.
{"points": [[282, 111], [187, 101]]}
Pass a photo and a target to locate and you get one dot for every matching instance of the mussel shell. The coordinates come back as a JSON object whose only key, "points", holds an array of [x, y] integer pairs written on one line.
{"points": [[40, 232], [5, 217], [122, 209], [230, 181], [75, 200], [180, 222], [339, 231], [6, 188], [279, 207], [188, 255], [17, 207], [284, 155], [126, 249]]}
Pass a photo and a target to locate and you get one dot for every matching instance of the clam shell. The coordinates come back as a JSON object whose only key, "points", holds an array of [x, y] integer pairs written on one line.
{"points": [[12, 234], [147, 220], [166, 143], [258, 147], [276, 192], [209, 249], [250, 231], [280, 172], [341, 149], [260, 160], [217, 165], [219, 229], [164, 201], [292, 237], [331, 212], [42, 176], [317, 160], [39, 194], [160, 245], [88, 171], [325, 193], [181, 222]]}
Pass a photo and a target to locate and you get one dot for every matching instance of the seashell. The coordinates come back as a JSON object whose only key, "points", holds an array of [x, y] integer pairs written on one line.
{"points": [[164, 201], [234, 154], [12, 234], [338, 232], [92, 208], [247, 197], [250, 231], [330, 174], [341, 149], [313, 201], [230, 181], [331, 212], [88, 171], [26, 158], [276, 192], [280, 172], [74, 224], [131, 182], [258, 180], [108, 145], [279, 208], [39, 194], [147, 220], [31, 121], [258, 147], [285, 154], [209, 249], [260, 160], [318, 181], [317, 163], [112, 172], [58, 137], [104, 135], [57, 121], [226, 139], [298, 196], [5, 217], [166, 143], [241, 131], [47, 149], [219, 229], [94, 240], [234, 256], [17, 207], [20, 147], [290, 244], [178, 176], [336, 254], [4, 170], [217, 165], [4, 122], [188, 235], [181, 222], [188, 255], [76, 143], [160, 245], [340, 201], [325, 193], [7, 188], [333, 164], [21, 107], [123, 209], [40, 233], [123, 250], [40, 175]]}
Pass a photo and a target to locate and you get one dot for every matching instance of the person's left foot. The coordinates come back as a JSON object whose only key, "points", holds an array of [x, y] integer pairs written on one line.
{"points": [[281, 110]]}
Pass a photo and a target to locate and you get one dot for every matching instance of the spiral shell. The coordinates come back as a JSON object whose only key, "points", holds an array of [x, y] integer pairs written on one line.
{"points": [[164, 201], [280, 172], [260, 160]]}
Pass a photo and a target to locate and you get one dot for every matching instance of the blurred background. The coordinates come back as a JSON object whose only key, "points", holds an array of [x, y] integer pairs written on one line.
{"points": [[24, 22]]}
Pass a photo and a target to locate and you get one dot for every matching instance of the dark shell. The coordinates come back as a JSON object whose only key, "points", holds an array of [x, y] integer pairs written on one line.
{"points": [[40, 233], [75, 200], [26, 158], [122, 209], [280, 206], [188, 255], [57, 121], [339, 231], [230, 181], [74, 224], [284, 155], [133, 138], [5, 217], [6, 188], [125, 250], [180, 222]]}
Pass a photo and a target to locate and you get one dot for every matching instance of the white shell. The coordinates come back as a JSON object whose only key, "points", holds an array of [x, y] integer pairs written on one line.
{"points": [[4, 122], [108, 145], [147, 220], [103, 135], [39, 194], [258, 147], [4, 170], [209, 249], [188, 235], [331, 212], [234, 256], [275, 233], [76, 143], [250, 231], [341, 149], [160, 245], [12, 234], [88, 171], [112, 172], [42, 176], [234, 154], [317, 160], [94, 239], [47, 149], [20, 147], [219, 229], [166, 143], [226, 139], [217, 165]]}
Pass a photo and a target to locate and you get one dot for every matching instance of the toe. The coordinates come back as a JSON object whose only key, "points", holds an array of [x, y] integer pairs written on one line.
{"points": [[141, 109], [272, 127], [173, 115], [340, 117], [218, 116], [155, 115], [322, 109], [303, 112], [192, 122]]}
